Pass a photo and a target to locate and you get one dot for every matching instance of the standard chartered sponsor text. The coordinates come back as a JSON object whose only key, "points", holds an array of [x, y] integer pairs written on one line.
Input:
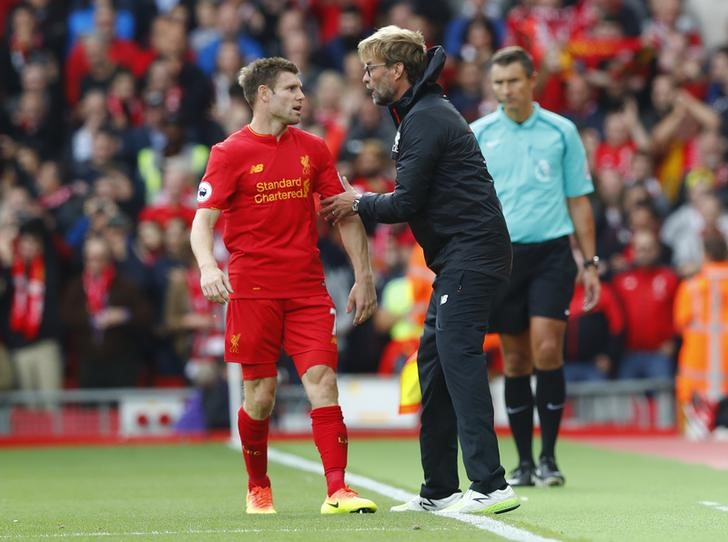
{"points": [[283, 189]]}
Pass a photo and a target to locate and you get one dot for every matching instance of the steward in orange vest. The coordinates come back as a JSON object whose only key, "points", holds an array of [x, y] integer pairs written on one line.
{"points": [[701, 315]]}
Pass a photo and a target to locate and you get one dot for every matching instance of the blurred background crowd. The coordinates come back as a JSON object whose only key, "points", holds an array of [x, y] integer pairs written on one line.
{"points": [[110, 108]]}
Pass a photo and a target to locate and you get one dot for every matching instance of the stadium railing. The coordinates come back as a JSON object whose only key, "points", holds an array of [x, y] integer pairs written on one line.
{"points": [[370, 403], [118, 412]]}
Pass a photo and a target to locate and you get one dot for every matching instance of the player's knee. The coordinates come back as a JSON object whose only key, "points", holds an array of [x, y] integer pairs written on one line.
{"points": [[321, 388], [517, 364], [259, 400], [260, 406], [548, 354]]}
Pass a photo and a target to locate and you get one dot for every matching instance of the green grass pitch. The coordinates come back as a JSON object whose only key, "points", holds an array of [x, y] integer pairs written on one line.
{"points": [[195, 492]]}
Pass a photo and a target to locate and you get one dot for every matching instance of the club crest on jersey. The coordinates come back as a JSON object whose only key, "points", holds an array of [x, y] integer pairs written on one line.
{"points": [[234, 343], [306, 164], [204, 192]]}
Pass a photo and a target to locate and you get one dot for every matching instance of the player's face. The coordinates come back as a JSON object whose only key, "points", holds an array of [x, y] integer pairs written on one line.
{"points": [[379, 80], [512, 87], [287, 97]]}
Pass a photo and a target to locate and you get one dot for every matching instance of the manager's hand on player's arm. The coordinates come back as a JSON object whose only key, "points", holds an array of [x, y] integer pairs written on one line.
{"points": [[338, 207]]}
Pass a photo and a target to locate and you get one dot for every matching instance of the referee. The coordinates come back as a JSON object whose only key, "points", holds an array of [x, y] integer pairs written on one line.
{"points": [[539, 167], [443, 190]]}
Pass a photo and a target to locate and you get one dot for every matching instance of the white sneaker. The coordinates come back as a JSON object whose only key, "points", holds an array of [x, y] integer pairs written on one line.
{"points": [[422, 504], [496, 502]]}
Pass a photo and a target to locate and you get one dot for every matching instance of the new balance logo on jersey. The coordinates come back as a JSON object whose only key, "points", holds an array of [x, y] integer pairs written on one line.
{"points": [[256, 168]]}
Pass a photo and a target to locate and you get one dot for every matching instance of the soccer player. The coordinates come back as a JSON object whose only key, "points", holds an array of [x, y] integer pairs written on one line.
{"points": [[539, 168], [445, 192], [264, 179]]}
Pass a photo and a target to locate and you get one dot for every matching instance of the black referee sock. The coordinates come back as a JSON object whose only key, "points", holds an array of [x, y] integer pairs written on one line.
{"points": [[550, 397], [519, 406]]}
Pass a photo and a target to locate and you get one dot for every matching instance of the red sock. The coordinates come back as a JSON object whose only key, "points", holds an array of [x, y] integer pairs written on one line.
{"points": [[254, 438], [329, 435]]}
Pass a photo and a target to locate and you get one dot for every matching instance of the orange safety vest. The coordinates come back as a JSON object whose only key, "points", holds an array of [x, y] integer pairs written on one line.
{"points": [[420, 277], [701, 315]]}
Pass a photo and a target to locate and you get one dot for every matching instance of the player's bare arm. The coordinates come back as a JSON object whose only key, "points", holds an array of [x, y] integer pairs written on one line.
{"points": [[363, 296], [581, 215], [214, 282]]}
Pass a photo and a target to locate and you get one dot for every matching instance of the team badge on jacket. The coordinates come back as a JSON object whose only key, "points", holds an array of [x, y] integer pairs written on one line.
{"points": [[395, 146]]}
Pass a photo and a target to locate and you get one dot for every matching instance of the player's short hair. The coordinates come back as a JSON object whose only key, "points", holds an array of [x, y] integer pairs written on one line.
{"points": [[509, 55], [394, 44], [263, 71]]}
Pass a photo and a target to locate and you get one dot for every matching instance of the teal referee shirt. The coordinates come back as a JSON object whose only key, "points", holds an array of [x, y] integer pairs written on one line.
{"points": [[535, 166]]}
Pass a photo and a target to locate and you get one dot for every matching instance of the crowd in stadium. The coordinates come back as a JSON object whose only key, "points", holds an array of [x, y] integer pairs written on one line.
{"points": [[110, 108]]}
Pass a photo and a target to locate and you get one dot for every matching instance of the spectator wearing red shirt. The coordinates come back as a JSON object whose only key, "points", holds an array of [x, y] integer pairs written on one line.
{"points": [[647, 293], [121, 52], [594, 338], [543, 28], [623, 135], [176, 199], [263, 179]]}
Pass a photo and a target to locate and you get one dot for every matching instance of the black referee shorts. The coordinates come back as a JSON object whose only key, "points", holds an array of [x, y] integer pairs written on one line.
{"points": [[542, 283]]}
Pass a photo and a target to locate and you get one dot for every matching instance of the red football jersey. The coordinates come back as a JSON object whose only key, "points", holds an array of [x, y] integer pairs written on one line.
{"points": [[648, 295], [265, 188]]}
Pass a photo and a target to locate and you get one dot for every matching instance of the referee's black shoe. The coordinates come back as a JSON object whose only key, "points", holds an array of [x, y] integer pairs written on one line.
{"points": [[523, 475], [548, 473]]}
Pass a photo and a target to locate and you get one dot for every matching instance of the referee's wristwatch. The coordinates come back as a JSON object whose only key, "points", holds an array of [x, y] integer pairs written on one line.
{"points": [[355, 205], [591, 262]]}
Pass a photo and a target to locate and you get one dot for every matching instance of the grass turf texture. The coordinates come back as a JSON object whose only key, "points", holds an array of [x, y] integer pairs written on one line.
{"points": [[195, 492]]}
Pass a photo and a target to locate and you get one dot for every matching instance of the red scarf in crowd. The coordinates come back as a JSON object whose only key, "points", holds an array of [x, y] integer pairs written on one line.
{"points": [[97, 289], [26, 313]]}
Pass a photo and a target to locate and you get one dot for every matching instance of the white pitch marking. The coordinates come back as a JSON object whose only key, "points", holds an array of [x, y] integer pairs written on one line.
{"points": [[481, 522], [107, 534], [715, 505]]}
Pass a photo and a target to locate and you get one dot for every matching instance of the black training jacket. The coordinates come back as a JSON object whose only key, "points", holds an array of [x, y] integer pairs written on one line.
{"points": [[443, 188]]}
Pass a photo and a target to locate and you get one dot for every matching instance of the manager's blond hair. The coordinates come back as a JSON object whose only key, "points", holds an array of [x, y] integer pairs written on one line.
{"points": [[393, 44]]}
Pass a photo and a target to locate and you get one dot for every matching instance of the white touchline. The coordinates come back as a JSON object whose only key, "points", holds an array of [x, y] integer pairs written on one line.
{"points": [[481, 522], [715, 505], [104, 534]]}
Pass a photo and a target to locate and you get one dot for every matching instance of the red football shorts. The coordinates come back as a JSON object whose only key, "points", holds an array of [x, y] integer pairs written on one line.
{"points": [[256, 329]]}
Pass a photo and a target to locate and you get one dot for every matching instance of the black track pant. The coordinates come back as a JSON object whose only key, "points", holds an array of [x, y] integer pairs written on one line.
{"points": [[456, 401]]}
